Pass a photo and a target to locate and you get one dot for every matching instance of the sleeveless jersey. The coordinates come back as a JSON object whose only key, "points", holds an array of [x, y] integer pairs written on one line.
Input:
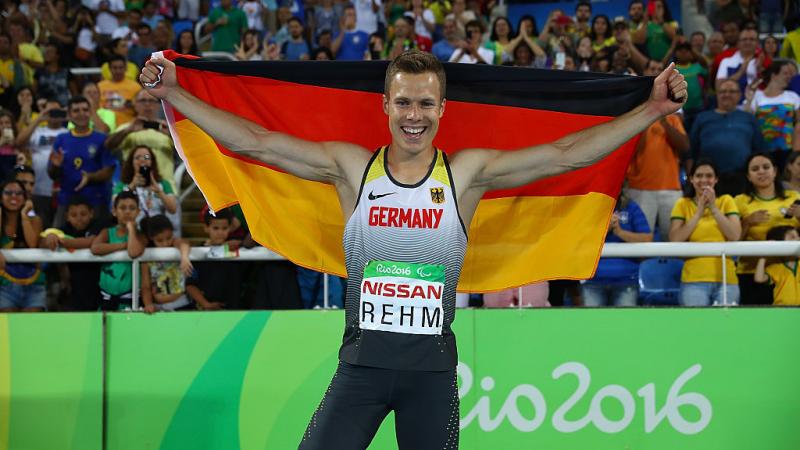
{"points": [[404, 247]]}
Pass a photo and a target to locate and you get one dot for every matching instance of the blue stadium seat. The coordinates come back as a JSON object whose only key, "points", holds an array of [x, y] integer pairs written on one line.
{"points": [[182, 25], [660, 281]]}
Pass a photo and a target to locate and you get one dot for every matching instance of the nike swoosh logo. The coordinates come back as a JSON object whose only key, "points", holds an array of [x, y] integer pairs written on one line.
{"points": [[372, 196]]}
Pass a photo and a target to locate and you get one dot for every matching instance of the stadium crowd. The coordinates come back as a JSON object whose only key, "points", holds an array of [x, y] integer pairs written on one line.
{"points": [[88, 161]]}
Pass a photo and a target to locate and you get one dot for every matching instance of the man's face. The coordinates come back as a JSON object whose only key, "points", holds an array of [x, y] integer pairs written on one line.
{"points": [[91, 92], [449, 29], [349, 18], [295, 29], [414, 107], [748, 40], [325, 40], [145, 36], [715, 43], [583, 13], [474, 34], [79, 216], [401, 29], [728, 95], [79, 114], [134, 19], [145, 105], [636, 12], [730, 33], [27, 180], [225, 4], [698, 42], [117, 70], [50, 54]]}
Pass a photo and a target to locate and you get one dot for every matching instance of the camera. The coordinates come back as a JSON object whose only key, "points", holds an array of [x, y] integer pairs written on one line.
{"points": [[144, 171], [151, 124], [57, 114]]}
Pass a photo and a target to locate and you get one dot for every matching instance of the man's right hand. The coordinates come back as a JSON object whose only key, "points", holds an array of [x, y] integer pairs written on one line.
{"points": [[169, 79]]}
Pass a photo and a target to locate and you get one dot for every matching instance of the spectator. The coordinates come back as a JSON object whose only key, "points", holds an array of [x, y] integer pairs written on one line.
{"points": [[296, 48], [601, 34], [326, 17], [141, 176], [81, 164], [403, 39], [162, 35], [254, 11], [525, 56], [107, 20], [445, 48], [782, 275], [325, 39], [792, 174], [28, 53], [116, 278], [580, 27], [26, 177], [12, 70], [633, 56], [462, 15], [141, 50], [40, 142], [727, 11], [701, 216], [163, 282], [554, 36], [282, 35], [350, 44], [216, 284], [653, 178], [367, 14], [763, 205], [150, 13], [102, 120], [616, 280], [322, 54], [53, 81], [715, 46], [744, 65], [118, 93], [83, 28], [471, 51], [726, 136], [119, 47], [503, 43], [185, 43], [771, 47], [226, 25], [698, 42], [249, 49], [24, 109], [79, 280], [133, 19], [22, 285], [146, 130], [8, 147], [312, 292], [775, 109], [636, 19], [658, 32], [424, 20], [584, 54], [693, 67]]}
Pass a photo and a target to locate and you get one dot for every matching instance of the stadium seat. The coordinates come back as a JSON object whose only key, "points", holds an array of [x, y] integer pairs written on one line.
{"points": [[182, 25], [660, 281]]}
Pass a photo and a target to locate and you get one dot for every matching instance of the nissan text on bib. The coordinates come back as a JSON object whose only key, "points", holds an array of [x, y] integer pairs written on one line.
{"points": [[402, 297]]}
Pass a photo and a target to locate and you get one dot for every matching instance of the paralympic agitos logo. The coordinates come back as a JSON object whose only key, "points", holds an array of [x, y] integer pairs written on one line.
{"points": [[529, 395]]}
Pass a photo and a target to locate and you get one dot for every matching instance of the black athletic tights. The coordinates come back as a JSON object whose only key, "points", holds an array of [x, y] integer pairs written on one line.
{"points": [[359, 398]]}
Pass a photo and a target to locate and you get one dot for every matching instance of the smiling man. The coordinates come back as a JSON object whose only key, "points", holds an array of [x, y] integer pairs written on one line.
{"points": [[406, 208]]}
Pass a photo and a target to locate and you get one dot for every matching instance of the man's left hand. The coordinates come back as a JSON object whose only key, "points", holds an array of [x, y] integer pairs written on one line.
{"points": [[669, 92]]}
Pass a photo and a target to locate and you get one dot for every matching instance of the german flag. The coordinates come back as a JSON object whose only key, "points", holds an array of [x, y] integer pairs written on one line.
{"points": [[553, 228]]}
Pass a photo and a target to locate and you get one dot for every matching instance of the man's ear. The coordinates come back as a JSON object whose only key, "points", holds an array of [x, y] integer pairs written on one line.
{"points": [[385, 104], [441, 108]]}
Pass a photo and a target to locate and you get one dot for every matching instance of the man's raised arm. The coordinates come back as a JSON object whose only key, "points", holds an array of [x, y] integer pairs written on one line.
{"points": [[492, 169], [331, 162]]}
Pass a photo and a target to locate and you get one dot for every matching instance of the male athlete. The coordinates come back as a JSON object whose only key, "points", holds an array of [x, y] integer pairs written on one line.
{"points": [[407, 208]]}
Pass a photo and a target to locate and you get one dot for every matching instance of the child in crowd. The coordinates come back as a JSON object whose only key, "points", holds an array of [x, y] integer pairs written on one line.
{"points": [[216, 284], [80, 280], [116, 277], [163, 282], [781, 275], [22, 285]]}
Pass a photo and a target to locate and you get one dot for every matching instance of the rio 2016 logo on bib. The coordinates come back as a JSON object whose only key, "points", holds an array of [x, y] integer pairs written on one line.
{"points": [[402, 297]]}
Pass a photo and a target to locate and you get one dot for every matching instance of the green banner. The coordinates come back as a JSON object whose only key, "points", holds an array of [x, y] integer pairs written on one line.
{"points": [[557, 379], [566, 379], [51, 385]]}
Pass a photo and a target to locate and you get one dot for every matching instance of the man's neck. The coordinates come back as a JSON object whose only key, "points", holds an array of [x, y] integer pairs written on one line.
{"points": [[408, 167], [724, 111], [81, 131]]}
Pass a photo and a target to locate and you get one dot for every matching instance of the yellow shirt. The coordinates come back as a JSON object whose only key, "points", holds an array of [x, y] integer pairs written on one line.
{"points": [[706, 269], [791, 45], [118, 97], [30, 52], [131, 72], [786, 284], [775, 207]]}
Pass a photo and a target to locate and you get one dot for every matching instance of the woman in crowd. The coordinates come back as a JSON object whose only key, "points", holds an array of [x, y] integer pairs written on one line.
{"points": [[701, 216], [601, 35], [249, 47], [8, 149], [775, 109], [501, 39], [792, 173], [140, 175], [22, 286], [616, 280], [185, 43], [771, 47], [658, 32], [764, 204], [24, 108]]}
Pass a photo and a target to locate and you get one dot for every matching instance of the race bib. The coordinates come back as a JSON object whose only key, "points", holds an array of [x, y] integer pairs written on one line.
{"points": [[402, 297]]}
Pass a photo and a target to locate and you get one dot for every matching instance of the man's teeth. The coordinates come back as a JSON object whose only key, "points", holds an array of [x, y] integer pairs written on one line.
{"points": [[411, 130]]}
